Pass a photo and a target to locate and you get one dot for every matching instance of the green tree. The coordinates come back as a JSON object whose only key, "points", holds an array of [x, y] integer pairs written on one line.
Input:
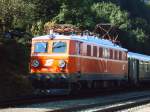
{"points": [[45, 9], [76, 12], [111, 13], [15, 13], [139, 34]]}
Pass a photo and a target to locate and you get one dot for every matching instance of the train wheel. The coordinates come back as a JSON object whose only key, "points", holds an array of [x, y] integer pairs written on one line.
{"points": [[74, 88], [96, 84], [90, 84]]}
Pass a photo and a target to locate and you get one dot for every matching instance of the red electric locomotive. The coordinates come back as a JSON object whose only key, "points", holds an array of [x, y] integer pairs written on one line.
{"points": [[60, 60]]}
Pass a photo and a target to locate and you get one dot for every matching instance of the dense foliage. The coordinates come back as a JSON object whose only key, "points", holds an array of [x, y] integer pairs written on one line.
{"points": [[14, 69], [130, 16]]}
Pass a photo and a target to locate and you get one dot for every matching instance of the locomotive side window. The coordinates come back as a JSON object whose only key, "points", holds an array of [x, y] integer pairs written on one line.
{"points": [[120, 55], [95, 51], [106, 53], [59, 47], [88, 50], [111, 54], [78, 50], [100, 52], [116, 54], [40, 47], [123, 56]]}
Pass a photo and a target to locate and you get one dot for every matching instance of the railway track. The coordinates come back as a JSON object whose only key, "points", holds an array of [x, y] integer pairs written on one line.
{"points": [[97, 101], [33, 99], [124, 105], [109, 106]]}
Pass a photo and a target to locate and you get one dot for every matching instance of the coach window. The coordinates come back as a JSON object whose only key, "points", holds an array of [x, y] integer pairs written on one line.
{"points": [[100, 52], [95, 51], [88, 50], [146, 67]]}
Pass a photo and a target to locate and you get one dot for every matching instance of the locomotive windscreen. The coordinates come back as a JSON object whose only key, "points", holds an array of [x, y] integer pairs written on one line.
{"points": [[59, 47], [40, 47]]}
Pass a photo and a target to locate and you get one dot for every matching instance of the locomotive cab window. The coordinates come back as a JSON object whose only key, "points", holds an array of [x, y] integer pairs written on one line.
{"points": [[59, 47], [40, 47]]}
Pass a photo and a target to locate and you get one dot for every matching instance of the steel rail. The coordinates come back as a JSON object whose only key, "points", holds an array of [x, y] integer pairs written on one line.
{"points": [[108, 106], [125, 105]]}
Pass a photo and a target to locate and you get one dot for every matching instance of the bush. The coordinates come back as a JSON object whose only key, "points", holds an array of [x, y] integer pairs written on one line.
{"points": [[14, 69]]}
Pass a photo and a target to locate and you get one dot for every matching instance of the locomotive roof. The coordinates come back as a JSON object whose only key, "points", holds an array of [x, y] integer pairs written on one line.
{"points": [[138, 56], [85, 38]]}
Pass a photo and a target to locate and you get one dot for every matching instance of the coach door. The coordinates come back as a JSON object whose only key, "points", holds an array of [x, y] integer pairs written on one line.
{"points": [[133, 70]]}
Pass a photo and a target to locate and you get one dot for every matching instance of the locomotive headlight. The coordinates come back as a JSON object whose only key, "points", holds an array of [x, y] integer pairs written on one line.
{"points": [[35, 63], [62, 63]]}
